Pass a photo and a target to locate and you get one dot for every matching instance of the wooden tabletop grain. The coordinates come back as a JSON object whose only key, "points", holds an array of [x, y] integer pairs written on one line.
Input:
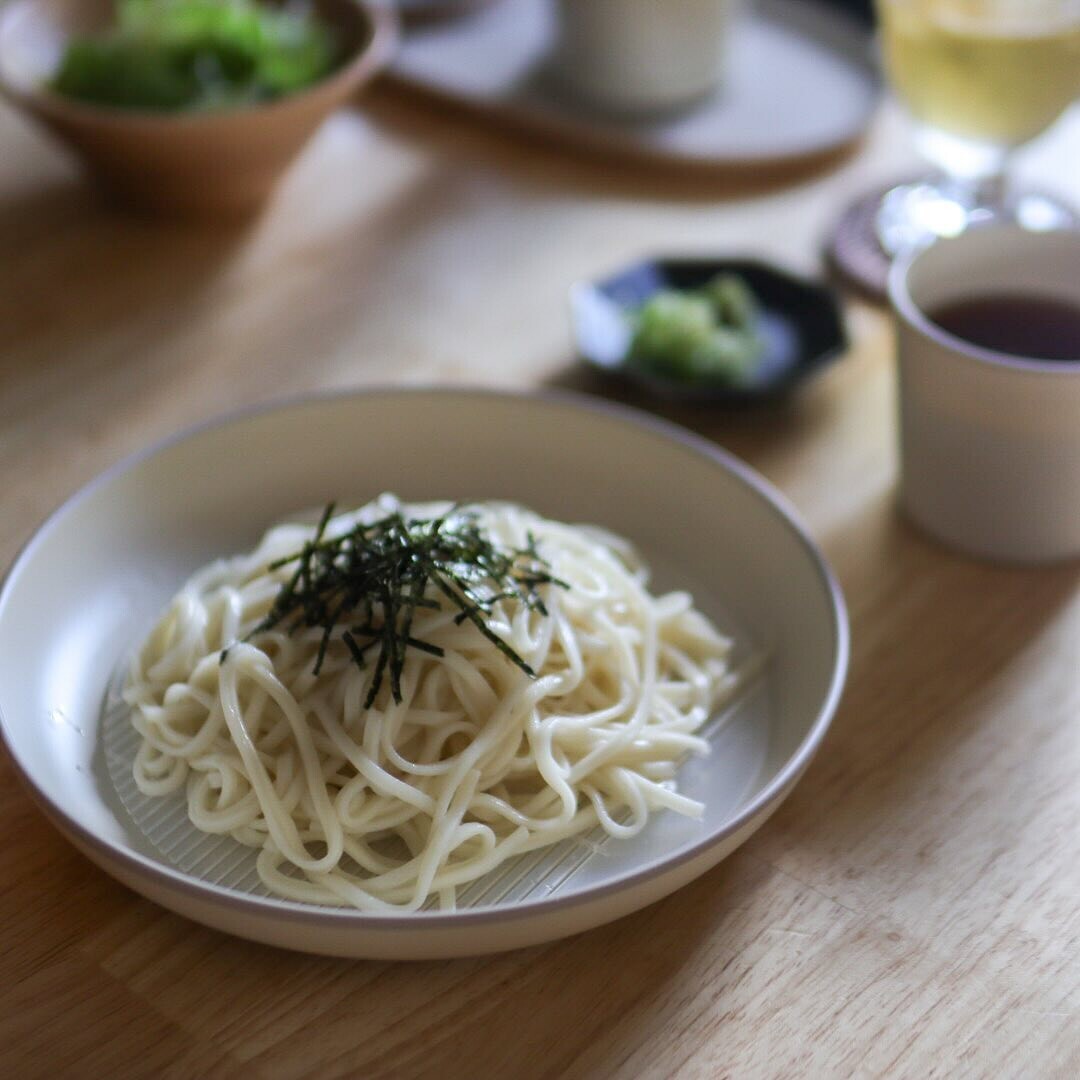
{"points": [[914, 908]]}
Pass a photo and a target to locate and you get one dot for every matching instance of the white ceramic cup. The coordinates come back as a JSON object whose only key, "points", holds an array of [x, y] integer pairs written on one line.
{"points": [[640, 56], [989, 442]]}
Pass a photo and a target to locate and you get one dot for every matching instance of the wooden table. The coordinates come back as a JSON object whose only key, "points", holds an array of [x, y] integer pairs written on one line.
{"points": [[914, 908]]}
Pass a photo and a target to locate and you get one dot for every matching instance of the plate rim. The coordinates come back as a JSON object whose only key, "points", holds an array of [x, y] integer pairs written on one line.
{"points": [[300, 914]]}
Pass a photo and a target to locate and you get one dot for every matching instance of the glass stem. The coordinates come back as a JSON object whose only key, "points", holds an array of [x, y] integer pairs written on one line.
{"points": [[990, 192]]}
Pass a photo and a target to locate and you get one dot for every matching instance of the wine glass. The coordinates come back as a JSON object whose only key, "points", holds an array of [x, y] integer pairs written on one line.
{"points": [[980, 78]]}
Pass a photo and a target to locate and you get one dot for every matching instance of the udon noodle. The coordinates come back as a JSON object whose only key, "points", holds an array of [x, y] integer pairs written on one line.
{"points": [[385, 807]]}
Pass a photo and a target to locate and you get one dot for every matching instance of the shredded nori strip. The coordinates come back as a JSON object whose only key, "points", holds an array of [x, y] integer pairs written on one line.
{"points": [[372, 579]]}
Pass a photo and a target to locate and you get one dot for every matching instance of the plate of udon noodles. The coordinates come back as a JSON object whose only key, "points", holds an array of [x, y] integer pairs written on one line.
{"points": [[418, 673]]}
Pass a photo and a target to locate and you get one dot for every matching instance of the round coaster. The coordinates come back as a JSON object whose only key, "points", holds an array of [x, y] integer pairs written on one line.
{"points": [[853, 249], [855, 252]]}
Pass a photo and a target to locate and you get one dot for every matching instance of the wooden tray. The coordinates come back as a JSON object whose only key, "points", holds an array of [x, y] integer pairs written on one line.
{"points": [[801, 85]]}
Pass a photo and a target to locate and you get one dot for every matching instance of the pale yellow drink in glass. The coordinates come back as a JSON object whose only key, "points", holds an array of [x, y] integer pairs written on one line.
{"points": [[992, 71]]}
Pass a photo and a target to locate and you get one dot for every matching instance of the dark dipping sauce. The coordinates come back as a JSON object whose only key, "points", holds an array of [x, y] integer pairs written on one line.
{"points": [[1035, 327]]}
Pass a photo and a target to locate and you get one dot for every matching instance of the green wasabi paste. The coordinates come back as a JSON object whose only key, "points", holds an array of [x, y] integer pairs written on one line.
{"points": [[704, 334]]}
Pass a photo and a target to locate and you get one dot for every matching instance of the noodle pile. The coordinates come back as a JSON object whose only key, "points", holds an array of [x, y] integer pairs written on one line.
{"points": [[384, 808]]}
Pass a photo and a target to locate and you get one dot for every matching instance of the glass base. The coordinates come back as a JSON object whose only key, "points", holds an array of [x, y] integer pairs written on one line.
{"points": [[913, 215]]}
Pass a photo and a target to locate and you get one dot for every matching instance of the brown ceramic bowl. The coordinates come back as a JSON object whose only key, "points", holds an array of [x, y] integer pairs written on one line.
{"points": [[182, 163]]}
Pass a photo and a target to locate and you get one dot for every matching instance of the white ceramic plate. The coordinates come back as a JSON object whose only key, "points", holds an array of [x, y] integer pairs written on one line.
{"points": [[91, 581], [800, 84]]}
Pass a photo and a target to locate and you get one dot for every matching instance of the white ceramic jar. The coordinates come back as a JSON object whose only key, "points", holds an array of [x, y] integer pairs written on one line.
{"points": [[640, 56], [990, 442]]}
